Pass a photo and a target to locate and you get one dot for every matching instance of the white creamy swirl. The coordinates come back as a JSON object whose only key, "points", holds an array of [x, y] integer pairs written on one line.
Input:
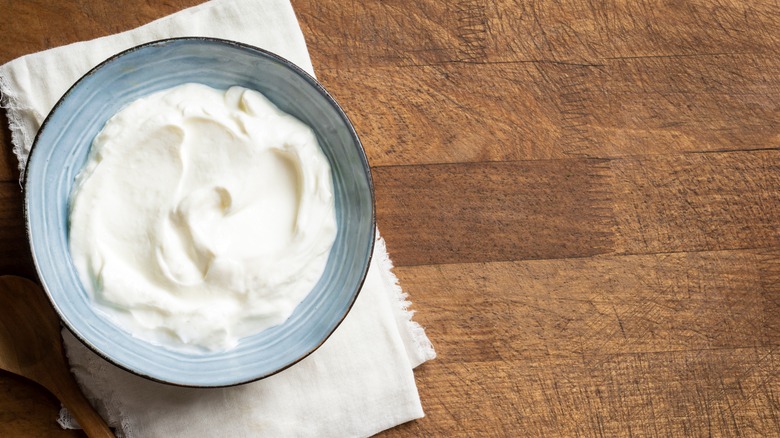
{"points": [[202, 216]]}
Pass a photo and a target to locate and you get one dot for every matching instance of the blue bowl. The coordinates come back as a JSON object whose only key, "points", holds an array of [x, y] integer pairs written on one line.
{"points": [[60, 150]]}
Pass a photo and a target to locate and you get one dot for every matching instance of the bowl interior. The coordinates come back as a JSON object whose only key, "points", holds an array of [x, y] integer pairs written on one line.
{"points": [[61, 149]]}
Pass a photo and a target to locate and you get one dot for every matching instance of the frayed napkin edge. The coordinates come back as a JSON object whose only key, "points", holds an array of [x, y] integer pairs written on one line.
{"points": [[10, 103], [423, 347]]}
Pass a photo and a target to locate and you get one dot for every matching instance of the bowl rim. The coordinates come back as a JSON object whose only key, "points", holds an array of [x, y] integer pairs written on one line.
{"points": [[263, 53]]}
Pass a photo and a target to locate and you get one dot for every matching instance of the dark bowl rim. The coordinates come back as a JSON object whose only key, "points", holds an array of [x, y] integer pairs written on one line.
{"points": [[263, 53]]}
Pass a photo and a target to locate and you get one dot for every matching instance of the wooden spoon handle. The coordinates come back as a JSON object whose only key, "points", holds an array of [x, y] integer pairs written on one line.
{"points": [[71, 396]]}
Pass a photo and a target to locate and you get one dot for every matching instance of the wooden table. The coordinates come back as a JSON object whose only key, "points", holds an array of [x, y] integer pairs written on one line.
{"points": [[583, 201]]}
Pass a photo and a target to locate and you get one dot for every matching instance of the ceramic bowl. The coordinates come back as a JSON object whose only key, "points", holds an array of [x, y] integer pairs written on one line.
{"points": [[60, 150]]}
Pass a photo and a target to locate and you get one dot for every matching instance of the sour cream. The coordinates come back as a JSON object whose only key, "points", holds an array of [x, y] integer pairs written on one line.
{"points": [[202, 216]]}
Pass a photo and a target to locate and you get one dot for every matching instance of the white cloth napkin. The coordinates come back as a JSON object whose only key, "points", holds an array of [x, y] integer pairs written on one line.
{"points": [[358, 383]]}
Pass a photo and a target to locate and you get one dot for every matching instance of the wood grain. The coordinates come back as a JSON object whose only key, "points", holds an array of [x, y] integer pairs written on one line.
{"points": [[672, 345], [33, 25], [579, 207], [15, 258], [28, 410], [478, 81], [599, 306], [698, 202], [8, 163], [582, 198], [463, 112], [494, 211], [570, 31]]}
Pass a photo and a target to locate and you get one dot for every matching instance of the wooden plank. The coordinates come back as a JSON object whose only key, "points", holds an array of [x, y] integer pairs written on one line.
{"points": [[429, 32], [670, 345], [591, 307], [494, 211], [732, 392], [542, 110], [15, 258], [579, 207], [697, 202], [436, 82], [8, 163], [34, 25], [471, 80]]}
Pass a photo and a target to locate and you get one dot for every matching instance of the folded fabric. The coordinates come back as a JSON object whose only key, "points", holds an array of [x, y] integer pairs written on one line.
{"points": [[358, 383]]}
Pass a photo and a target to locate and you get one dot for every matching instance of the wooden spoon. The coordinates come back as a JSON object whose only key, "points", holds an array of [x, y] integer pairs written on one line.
{"points": [[31, 346]]}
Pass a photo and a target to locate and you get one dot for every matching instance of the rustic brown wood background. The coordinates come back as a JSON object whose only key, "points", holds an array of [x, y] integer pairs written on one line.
{"points": [[583, 199]]}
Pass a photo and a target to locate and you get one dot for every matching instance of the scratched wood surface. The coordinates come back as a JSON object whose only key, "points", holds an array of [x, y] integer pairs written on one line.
{"points": [[582, 198]]}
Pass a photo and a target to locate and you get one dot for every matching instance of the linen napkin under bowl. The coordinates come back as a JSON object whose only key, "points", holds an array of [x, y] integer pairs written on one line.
{"points": [[358, 383]]}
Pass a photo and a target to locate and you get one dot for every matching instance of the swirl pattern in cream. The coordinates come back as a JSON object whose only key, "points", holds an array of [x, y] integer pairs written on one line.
{"points": [[202, 216]]}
